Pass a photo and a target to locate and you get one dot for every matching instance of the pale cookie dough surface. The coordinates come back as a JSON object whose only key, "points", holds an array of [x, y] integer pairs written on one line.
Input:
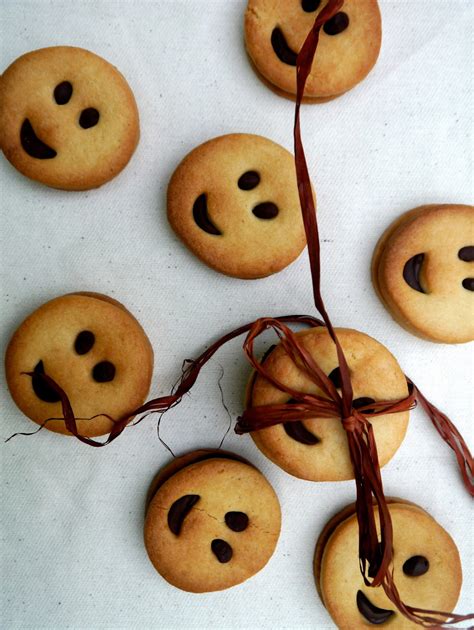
{"points": [[415, 534], [234, 202], [423, 270], [375, 374], [68, 118], [194, 554], [343, 58], [93, 348]]}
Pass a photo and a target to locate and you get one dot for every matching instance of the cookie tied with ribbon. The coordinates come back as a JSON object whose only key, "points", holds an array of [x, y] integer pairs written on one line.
{"points": [[316, 448]]}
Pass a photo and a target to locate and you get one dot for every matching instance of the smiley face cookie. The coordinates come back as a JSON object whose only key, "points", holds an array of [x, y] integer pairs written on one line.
{"points": [[68, 118], [317, 449], [213, 521], [93, 348], [427, 569], [423, 270], [349, 44], [234, 202]]}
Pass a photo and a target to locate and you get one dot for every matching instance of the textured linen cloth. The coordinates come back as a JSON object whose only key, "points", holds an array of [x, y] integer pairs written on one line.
{"points": [[72, 554]]}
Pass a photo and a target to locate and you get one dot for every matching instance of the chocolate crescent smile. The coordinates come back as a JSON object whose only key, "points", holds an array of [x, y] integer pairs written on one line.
{"points": [[298, 432], [282, 50], [201, 216], [412, 271], [35, 147], [372, 613], [44, 391]]}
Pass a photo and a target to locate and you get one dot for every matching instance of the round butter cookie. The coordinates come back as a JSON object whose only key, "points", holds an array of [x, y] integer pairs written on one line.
{"points": [[349, 44], [317, 449], [212, 521], [234, 202], [68, 118], [93, 348], [426, 569], [423, 271]]}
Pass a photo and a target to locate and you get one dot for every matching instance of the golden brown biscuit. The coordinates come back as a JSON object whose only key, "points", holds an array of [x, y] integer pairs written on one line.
{"points": [[427, 569], [317, 449], [213, 521], [349, 44], [93, 348], [68, 118], [423, 271], [234, 202]]}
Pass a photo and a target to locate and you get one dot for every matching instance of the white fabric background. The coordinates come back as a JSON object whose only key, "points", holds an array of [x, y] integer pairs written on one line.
{"points": [[72, 552]]}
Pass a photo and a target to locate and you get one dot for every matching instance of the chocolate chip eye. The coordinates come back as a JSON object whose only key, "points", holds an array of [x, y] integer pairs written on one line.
{"points": [[336, 24], [376, 561], [335, 377], [468, 283], [103, 372], [466, 253], [222, 550], [236, 521], [249, 180], [266, 210], [84, 342], [63, 93], [89, 118], [362, 402], [416, 566], [310, 5]]}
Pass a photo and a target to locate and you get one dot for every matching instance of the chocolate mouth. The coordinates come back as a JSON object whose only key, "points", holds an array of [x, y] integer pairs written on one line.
{"points": [[412, 272], [372, 613], [298, 432], [282, 50], [32, 145], [44, 391], [201, 216]]}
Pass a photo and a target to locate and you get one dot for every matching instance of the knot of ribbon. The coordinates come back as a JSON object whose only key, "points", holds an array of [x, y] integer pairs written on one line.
{"points": [[305, 405], [350, 423]]}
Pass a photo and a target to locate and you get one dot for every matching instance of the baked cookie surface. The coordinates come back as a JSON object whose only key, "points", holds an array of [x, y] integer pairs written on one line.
{"points": [[427, 569], [213, 521], [349, 44], [68, 118], [423, 271], [317, 449], [234, 202], [93, 348]]}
